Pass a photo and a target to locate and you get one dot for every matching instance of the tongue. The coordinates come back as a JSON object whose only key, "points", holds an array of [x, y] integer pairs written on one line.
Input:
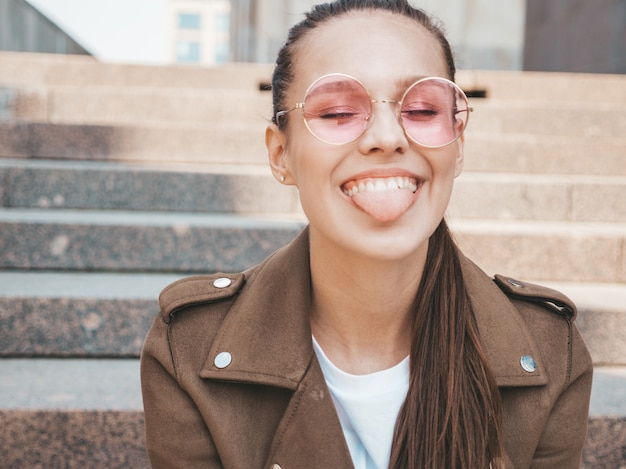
{"points": [[385, 206]]}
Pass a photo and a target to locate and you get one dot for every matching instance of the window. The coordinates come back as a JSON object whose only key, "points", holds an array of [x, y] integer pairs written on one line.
{"points": [[188, 21], [188, 52], [222, 22], [222, 52]]}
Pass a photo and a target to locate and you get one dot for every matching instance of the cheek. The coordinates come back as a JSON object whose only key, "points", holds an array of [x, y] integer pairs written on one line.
{"points": [[448, 161]]}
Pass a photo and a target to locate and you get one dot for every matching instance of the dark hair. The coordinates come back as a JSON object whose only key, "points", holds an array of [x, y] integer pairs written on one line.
{"points": [[451, 417]]}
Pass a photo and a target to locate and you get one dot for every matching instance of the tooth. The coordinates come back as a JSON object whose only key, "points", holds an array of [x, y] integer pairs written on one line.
{"points": [[380, 185], [369, 186], [360, 187], [392, 184]]}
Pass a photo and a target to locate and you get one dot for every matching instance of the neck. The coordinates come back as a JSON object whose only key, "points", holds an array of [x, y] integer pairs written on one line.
{"points": [[362, 308]]}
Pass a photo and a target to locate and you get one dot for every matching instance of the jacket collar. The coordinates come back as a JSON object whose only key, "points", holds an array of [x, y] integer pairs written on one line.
{"points": [[268, 334], [267, 331]]}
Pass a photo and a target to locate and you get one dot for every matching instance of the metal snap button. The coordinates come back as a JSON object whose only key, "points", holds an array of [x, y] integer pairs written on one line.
{"points": [[276, 466], [222, 282], [528, 363], [222, 359], [515, 283]]}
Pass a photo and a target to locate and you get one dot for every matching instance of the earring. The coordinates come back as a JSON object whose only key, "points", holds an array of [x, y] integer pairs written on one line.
{"points": [[282, 178]]}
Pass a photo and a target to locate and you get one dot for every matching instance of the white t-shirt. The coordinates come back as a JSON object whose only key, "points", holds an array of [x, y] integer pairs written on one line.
{"points": [[367, 406]]}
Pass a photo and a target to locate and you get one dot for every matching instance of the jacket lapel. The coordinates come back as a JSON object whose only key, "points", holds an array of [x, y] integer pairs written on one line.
{"points": [[310, 423], [275, 348]]}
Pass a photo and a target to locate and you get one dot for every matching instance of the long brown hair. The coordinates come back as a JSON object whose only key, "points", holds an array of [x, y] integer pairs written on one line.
{"points": [[451, 417], [452, 413]]}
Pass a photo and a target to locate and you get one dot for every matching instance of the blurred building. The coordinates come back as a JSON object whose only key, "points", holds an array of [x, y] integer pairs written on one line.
{"points": [[576, 36], [199, 31], [260, 27], [24, 29], [484, 34], [545, 35]]}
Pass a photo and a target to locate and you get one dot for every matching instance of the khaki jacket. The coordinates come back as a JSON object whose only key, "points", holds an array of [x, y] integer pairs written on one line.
{"points": [[230, 379]]}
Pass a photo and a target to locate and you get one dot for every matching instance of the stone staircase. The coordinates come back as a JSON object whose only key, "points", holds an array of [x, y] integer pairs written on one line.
{"points": [[116, 180]]}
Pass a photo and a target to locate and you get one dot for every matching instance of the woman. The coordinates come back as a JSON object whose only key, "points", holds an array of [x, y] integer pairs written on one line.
{"points": [[369, 341]]}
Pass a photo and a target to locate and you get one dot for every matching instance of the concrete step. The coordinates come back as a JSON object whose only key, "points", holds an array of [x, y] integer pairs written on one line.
{"points": [[53, 70], [513, 196], [606, 435], [543, 154], [96, 314], [252, 189], [166, 241], [114, 106], [78, 384], [87, 413], [546, 251], [46, 71], [244, 144], [125, 186], [146, 241], [66, 438], [505, 85], [91, 415], [77, 314], [218, 143], [549, 118]]}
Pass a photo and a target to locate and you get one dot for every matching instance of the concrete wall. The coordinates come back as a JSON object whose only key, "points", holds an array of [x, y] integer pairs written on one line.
{"points": [[576, 36], [24, 29]]}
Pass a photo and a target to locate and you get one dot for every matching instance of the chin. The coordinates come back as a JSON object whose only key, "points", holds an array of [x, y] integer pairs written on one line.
{"points": [[393, 245]]}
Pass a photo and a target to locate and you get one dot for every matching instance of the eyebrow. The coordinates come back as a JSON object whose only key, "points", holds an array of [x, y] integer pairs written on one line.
{"points": [[330, 86], [404, 83]]}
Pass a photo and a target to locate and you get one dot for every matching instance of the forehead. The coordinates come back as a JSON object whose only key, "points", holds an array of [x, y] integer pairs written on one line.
{"points": [[377, 47]]}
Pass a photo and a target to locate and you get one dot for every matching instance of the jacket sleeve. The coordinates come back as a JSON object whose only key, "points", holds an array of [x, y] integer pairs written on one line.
{"points": [[564, 434], [176, 435]]}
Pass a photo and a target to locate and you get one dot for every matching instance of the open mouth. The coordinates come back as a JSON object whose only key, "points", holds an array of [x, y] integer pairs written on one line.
{"points": [[351, 188], [385, 199]]}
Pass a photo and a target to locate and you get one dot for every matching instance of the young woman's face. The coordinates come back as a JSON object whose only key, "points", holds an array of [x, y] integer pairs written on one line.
{"points": [[339, 185]]}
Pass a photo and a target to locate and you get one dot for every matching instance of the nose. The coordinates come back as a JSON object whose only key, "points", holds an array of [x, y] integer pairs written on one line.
{"points": [[384, 133]]}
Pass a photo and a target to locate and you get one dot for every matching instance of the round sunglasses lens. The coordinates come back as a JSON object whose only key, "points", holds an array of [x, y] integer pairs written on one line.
{"points": [[434, 112], [337, 109]]}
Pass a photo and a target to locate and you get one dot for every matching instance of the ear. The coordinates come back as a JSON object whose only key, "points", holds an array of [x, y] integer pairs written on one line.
{"points": [[275, 142], [458, 164]]}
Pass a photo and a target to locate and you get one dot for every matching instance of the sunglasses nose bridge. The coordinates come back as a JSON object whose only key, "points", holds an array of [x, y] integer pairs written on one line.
{"points": [[395, 108], [395, 105], [385, 101]]}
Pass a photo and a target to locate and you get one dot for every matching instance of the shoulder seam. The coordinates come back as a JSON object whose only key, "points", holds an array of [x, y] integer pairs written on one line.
{"points": [[550, 299], [198, 289]]}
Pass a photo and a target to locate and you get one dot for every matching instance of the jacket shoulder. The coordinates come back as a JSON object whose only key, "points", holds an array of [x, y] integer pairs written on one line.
{"points": [[548, 298], [199, 289]]}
